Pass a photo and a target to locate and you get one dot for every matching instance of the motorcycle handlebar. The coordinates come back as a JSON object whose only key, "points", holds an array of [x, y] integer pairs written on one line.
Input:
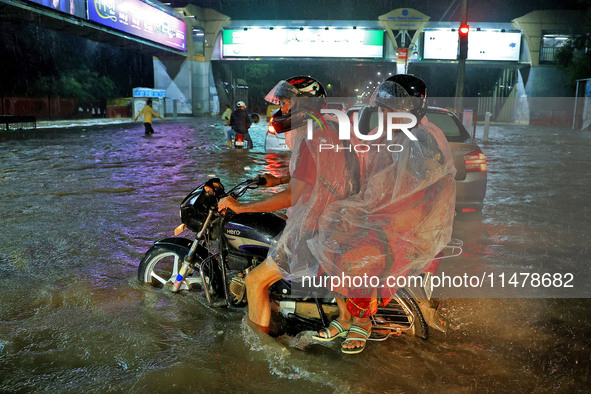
{"points": [[241, 188]]}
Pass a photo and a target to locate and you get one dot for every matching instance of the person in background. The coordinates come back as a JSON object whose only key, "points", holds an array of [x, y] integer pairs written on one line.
{"points": [[226, 119], [148, 112], [254, 118], [240, 123]]}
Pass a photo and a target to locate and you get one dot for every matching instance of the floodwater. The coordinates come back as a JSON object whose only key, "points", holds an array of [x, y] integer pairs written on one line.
{"points": [[79, 207]]}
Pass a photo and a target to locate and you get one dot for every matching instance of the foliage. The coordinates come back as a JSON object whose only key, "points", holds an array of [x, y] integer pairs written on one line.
{"points": [[575, 55], [40, 62], [83, 84]]}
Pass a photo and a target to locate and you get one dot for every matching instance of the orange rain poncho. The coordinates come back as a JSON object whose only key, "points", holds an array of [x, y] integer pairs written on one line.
{"points": [[389, 216]]}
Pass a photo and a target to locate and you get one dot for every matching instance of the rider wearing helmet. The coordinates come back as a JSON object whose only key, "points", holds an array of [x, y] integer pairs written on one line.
{"points": [[285, 94], [306, 196]]}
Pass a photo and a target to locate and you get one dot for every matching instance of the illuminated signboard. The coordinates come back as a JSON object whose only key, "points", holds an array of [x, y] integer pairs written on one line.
{"points": [[494, 45], [72, 7], [309, 42], [482, 45], [139, 19], [441, 44]]}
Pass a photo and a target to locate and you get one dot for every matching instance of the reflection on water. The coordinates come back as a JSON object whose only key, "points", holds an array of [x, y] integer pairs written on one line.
{"points": [[80, 207]]}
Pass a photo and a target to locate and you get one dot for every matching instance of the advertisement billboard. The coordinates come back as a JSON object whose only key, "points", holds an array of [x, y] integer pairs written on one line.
{"points": [[441, 45], [494, 45], [305, 42], [139, 19], [482, 45], [72, 7]]}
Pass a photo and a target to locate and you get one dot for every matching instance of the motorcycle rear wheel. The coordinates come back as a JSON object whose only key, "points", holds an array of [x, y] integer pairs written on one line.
{"points": [[402, 314]]}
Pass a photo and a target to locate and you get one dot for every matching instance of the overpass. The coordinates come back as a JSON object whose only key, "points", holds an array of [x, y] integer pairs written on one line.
{"points": [[524, 48], [79, 24]]}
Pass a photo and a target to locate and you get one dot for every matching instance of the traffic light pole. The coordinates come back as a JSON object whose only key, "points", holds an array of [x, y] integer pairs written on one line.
{"points": [[459, 97]]}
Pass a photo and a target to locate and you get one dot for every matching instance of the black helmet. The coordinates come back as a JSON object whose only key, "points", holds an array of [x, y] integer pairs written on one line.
{"points": [[300, 86], [307, 86], [410, 92]]}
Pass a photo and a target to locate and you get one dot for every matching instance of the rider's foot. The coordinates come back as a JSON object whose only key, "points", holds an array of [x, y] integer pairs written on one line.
{"points": [[350, 342], [333, 330]]}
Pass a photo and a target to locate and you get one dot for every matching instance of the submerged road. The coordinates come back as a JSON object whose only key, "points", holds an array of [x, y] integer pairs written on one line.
{"points": [[79, 207]]}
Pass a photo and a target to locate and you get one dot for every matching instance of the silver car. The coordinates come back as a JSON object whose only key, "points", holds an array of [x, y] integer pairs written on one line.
{"points": [[469, 159], [274, 141]]}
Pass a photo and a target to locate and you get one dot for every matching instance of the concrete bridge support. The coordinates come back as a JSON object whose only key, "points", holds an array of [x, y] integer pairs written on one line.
{"points": [[189, 81]]}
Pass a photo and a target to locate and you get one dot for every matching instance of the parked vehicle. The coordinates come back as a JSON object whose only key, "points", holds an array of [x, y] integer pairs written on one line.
{"points": [[469, 160], [274, 141]]}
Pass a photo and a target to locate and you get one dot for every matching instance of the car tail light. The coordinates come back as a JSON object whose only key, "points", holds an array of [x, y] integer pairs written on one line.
{"points": [[469, 210], [271, 129], [475, 161]]}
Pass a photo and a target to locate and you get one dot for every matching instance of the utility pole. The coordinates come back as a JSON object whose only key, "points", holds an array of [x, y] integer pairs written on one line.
{"points": [[459, 98]]}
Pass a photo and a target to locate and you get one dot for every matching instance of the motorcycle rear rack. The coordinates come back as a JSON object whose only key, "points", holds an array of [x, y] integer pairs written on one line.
{"points": [[452, 249]]}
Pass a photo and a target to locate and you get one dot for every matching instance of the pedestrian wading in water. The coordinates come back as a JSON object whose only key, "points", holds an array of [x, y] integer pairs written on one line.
{"points": [[148, 112]]}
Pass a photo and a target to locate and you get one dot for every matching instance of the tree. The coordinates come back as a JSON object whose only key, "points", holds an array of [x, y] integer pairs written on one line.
{"points": [[39, 62], [575, 55]]}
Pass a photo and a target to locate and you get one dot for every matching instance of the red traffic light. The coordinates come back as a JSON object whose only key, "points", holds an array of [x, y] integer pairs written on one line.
{"points": [[464, 29]]}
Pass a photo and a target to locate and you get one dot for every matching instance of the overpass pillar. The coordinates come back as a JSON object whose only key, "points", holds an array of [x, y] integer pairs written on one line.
{"points": [[189, 80]]}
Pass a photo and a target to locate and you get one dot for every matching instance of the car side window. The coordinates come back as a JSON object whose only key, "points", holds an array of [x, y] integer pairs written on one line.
{"points": [[448, 125]]}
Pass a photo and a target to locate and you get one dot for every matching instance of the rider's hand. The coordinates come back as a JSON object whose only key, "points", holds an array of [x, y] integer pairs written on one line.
{"points": [[271, 180], [274, 181], [230, 202]]}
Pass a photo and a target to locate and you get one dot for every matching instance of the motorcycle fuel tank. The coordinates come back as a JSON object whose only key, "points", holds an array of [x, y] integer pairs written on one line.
{"points": [[252, 233]]}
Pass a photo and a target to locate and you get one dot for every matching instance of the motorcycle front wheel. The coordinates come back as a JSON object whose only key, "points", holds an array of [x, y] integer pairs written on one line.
{"points": [[160, 266]]}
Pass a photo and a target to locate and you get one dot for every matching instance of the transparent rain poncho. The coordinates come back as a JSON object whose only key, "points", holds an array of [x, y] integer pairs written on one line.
{"points": [[383, 212]]}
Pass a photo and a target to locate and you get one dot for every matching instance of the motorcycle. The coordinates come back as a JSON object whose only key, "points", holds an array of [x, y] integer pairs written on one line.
{"points": [[227, 246], [238, 141]]}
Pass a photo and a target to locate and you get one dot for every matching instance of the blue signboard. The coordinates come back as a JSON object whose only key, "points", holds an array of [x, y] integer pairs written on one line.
{"points": [[72, 7], [139, 19]]}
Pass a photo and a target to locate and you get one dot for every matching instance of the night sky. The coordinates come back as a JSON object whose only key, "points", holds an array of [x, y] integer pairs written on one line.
{"points": [[478, 10]]}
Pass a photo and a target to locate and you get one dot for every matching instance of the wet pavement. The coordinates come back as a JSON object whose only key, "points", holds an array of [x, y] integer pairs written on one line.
{"points": [[80, 205]]}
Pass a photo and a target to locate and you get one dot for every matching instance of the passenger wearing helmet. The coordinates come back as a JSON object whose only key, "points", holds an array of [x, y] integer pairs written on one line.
{"points": [[397, 223], [305, 197]]}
